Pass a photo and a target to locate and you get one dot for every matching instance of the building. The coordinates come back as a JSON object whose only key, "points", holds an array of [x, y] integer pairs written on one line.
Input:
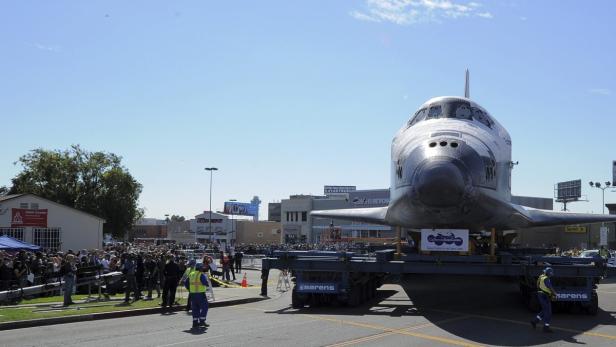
{"points": [[298, 226], [45, 223], [274, 212], [263, 232], [220, 231], [149, 228]]}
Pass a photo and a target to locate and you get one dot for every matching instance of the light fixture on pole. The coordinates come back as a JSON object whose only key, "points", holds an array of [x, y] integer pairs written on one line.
{"points": [[603, 188], [211, 170]]}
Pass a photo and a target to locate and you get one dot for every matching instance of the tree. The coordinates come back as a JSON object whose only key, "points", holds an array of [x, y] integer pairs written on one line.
{"points": [[4, 191], [176, 218], [93, 182]]}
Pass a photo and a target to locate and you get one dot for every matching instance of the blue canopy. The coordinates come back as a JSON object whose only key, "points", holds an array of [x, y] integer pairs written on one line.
{"points": [[11, 244]]}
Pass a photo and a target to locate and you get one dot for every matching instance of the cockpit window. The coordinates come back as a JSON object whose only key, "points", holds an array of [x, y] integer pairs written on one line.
{"points": [[458, 109], [434, 112], [482, 117], [419, 116]]}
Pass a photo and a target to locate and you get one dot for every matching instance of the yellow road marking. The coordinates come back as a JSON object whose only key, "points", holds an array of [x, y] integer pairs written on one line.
{"points": [[589, 333], [398, 331], [389, 333]]}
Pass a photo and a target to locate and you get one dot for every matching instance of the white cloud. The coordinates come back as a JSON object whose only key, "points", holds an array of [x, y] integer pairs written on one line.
{"points": [[523, 19], [486, 15], [42, 47], [406, 12], [600, 91], [363, 16]]}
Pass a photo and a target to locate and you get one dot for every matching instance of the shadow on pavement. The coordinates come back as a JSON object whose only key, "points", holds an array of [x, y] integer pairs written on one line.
{"points": [[485, 310]]}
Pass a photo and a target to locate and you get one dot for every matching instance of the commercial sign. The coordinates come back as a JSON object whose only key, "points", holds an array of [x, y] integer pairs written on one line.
{"points": [[572, 295], [241, 208], [338, 189], [317, 287], [570, 190], [448, 240], [370, 198], [575, 229], [23, 217], [603, 236]]}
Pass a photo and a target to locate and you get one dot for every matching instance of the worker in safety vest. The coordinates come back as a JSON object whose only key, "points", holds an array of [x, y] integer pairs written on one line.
{"points": [[191, 267], [545, 294], [196, 283]]}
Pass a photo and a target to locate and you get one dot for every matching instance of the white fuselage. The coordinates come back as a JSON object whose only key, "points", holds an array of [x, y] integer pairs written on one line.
{"points": [[449, 161]]}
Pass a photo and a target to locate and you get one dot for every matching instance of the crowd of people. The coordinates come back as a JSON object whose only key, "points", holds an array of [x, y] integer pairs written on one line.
{"points": [[145, 268]]}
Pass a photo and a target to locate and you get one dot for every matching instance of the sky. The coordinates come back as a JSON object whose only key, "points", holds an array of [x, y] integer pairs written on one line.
{"points": [[284, 97]]}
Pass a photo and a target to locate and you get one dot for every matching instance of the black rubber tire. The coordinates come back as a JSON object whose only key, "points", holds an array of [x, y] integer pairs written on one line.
{"points": [[593, 309], [296, 301], [354, 296]]}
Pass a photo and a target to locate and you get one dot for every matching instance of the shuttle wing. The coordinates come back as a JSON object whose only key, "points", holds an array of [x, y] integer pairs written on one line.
{"points": [[375, 215], [540, 218]]}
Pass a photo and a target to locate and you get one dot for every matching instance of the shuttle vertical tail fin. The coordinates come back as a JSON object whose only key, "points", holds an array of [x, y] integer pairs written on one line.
{"points": [[467, 91]]}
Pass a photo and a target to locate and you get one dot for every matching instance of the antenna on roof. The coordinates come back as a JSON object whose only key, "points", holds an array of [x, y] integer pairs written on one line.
{"points": [[467, 91]]}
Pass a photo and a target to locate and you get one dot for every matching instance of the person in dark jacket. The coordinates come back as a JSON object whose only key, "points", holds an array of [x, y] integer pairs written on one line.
{"points": [[172, 275], [238, 262], [150, 274], [68, 270]]}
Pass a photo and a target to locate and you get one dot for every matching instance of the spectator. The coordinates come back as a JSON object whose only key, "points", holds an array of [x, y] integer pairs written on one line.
{"points": [[68, 271]]}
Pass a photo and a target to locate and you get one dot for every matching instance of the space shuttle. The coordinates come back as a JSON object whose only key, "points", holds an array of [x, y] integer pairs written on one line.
{"points": [[451, 169]]}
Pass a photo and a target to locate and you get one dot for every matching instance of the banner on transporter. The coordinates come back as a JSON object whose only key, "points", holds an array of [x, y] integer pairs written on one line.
{"points": [[448, 240]]}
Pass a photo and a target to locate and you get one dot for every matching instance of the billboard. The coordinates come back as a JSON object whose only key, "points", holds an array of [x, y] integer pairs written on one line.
{"points": [[338, 189], [22, 217], [603, 236], [448, 240], [241, 208], [614, 173], [569, 190]]}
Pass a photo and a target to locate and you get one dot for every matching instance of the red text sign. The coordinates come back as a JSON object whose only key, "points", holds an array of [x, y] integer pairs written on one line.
{"points": [[22, 217]]}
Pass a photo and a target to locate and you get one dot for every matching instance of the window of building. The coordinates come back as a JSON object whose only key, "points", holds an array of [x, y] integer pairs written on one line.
{"points": [[288, 216], [304, 216], [296, 218], [34, 206], [23, 205], [48, 238], [16, 233]]}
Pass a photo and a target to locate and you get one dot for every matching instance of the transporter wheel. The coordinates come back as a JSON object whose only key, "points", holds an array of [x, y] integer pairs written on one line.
{"points": [[354, 296], [296, 300], [593, 309]]}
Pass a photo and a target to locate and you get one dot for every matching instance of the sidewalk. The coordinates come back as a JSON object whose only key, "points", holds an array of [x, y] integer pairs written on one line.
{"points": [[222, 297]]}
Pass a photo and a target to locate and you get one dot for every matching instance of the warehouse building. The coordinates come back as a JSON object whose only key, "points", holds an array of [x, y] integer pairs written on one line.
{"points": [[45, 223]]}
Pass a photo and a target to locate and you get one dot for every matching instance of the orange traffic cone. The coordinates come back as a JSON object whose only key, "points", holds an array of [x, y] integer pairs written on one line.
{"points": [[244, 281]]}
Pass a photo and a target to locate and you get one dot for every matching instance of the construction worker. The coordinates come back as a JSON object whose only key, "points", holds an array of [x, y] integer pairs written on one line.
{"points": [[545, 294], [196, 283], [189, 268]]}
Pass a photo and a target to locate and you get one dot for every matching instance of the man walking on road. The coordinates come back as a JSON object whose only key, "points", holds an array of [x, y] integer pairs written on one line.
{"points": [[196, 283], [545, 294]]}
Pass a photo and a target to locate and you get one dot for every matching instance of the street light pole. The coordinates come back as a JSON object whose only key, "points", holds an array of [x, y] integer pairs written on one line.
{"points": [[211, 170], [232, 223], [603, 188]]}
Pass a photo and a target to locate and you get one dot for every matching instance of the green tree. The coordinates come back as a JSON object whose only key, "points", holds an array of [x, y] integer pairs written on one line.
{"points": [[94, 182], [176, 218]]}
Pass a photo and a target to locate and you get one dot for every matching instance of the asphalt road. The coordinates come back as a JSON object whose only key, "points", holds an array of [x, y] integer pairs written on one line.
{"points": [[417, 311]]}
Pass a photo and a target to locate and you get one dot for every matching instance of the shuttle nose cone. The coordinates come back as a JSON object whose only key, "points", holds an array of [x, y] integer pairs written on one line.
{"points": [[440, 184]]}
